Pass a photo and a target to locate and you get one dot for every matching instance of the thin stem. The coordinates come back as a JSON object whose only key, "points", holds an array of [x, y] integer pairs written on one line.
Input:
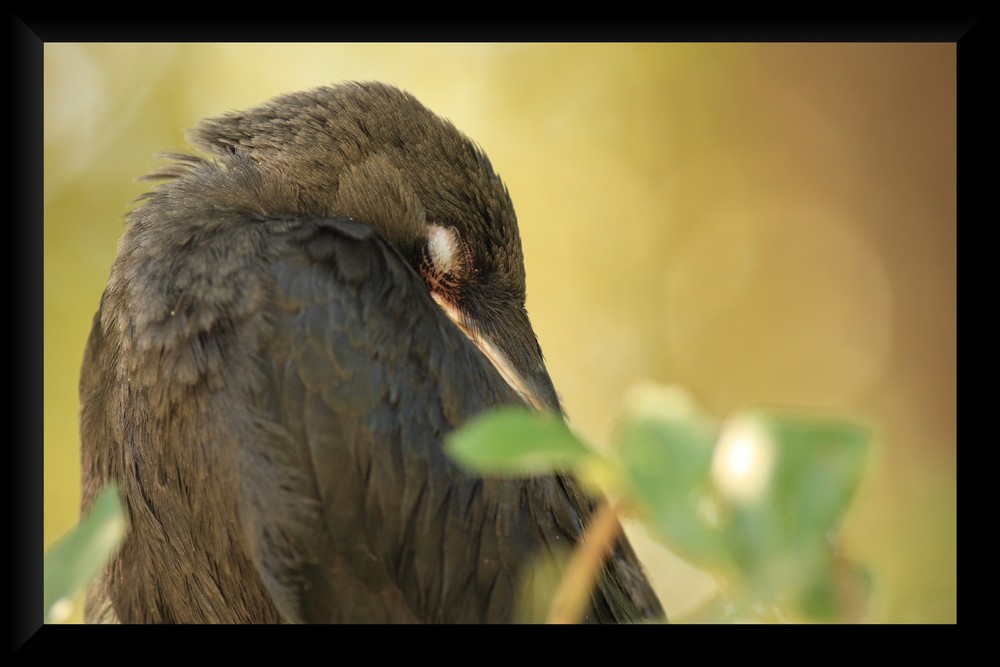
{"points": [[570, 601]]}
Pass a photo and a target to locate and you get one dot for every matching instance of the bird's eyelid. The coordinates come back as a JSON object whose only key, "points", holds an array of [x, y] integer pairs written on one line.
{"points": [[445, 249]]}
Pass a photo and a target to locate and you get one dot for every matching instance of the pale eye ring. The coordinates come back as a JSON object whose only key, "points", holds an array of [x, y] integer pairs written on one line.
{"points": [[444, 249]]}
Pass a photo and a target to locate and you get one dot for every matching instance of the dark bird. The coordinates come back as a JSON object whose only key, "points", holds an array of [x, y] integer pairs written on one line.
{"points": [[290, 329]]}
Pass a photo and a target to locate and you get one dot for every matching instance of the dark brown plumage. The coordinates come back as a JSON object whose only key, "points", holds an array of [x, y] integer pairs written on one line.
{"points": [[290, 328]]}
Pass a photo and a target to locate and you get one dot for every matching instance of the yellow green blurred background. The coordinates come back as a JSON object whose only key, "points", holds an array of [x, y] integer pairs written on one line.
{"points": [[754, 222]]}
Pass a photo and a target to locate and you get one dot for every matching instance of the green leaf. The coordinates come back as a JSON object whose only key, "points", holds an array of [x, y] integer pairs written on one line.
{"points": [[78, 557], [665, 445], [516, 441], [819, 467], [786, 478]]}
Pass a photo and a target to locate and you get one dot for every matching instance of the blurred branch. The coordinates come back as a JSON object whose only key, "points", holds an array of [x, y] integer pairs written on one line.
{"points": [[570, 600]]}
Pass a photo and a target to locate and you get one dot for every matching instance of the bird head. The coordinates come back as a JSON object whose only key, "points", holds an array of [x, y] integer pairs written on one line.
{"points": [[372, 152]]}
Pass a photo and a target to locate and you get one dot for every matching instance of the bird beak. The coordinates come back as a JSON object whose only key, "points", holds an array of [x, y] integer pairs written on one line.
{"points": [[535, 389], [543, 392]]}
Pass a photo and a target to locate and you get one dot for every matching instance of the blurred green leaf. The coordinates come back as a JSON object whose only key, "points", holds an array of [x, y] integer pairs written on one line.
{"points": [[818, 468], [79, 556], [786, 479], [516, 441], [665, 445], [840, 591]]}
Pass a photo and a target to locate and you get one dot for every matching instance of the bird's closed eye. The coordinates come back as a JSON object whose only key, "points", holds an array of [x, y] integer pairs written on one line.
{"points": [[446, 263]]}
